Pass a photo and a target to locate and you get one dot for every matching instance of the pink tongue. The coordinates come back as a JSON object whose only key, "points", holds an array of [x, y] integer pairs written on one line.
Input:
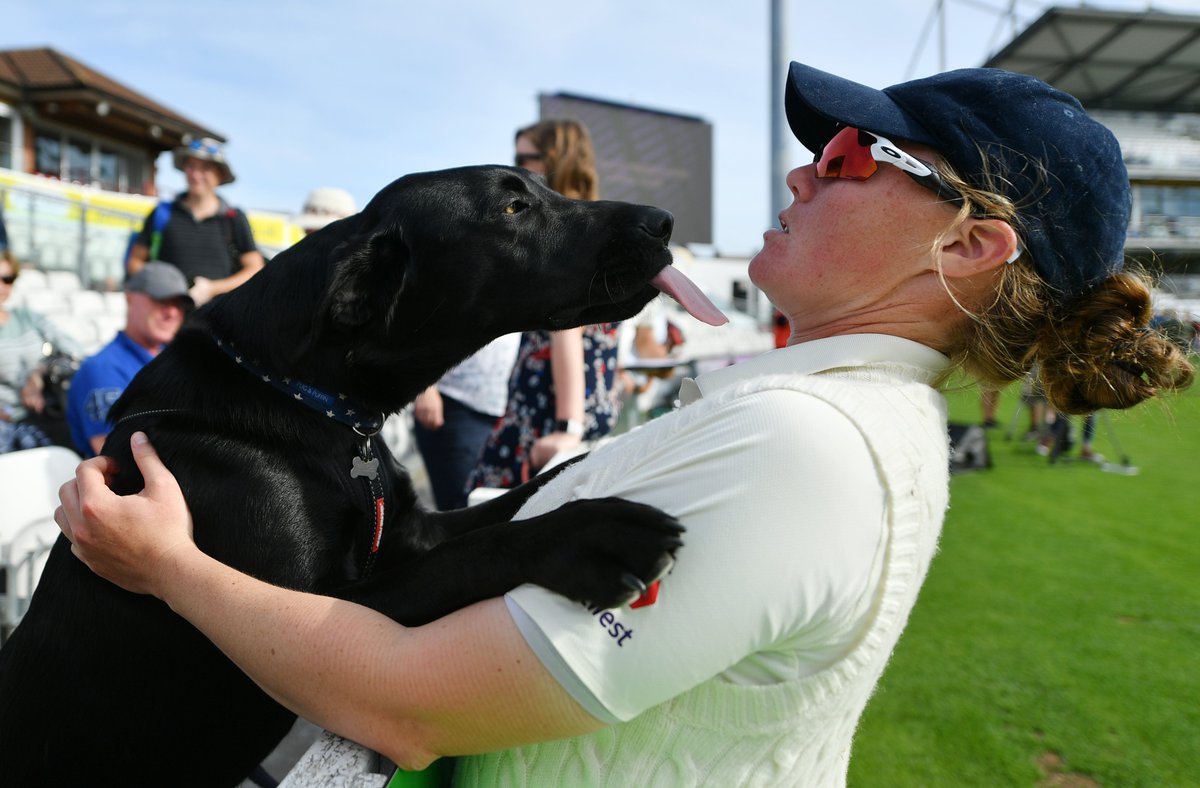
{"points": [[672, 282]]}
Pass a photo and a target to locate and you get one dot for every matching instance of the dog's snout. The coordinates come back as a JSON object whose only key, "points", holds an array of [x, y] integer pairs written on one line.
{"points": [[658, 223]]}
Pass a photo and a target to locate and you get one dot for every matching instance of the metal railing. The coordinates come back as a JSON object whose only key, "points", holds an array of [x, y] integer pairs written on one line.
{"points": [[59, 232], [58, 226]]}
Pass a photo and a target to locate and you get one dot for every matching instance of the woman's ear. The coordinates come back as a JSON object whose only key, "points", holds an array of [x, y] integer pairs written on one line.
{"points": [[978, 245]]}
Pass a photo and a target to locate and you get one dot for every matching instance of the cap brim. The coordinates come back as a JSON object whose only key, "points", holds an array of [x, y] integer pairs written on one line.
{"points": [[160, 296], [819, 103], [182, 297]]}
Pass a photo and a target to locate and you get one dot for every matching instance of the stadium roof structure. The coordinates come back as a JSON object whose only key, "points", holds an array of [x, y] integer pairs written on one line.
{"points": [[61, 88], [1138, 61]]}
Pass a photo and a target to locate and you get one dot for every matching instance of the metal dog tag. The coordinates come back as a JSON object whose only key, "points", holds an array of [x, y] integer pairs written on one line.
{"points": [[360, 467]]}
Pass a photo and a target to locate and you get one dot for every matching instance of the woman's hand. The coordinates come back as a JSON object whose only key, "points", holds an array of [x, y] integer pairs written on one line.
{"points": [[545, 447], [428, 409], [202, 290], [127, 539], [33, 395]]}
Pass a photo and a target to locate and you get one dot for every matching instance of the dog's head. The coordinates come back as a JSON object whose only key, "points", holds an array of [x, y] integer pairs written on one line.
{"points": [[495, 248], [440, 263]]}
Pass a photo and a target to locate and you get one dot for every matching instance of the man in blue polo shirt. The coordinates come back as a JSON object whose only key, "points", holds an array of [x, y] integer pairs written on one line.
{"points": [[157, 301]]}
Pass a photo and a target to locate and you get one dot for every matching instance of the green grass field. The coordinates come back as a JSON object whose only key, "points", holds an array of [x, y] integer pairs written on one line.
{"points": [[1057, 638]]}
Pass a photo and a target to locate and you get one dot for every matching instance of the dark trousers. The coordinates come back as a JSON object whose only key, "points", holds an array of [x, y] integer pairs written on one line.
{"points": [[450, 453], [37, 430]]}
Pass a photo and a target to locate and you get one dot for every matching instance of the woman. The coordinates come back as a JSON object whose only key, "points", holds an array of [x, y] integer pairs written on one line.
{"points": [[973, 219], [24, 337], [561, 391]]}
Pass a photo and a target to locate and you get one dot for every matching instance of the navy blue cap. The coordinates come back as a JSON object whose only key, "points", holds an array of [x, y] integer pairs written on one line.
{"points": [[1072, 223]]}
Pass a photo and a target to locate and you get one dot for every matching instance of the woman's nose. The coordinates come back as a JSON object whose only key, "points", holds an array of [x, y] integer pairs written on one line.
{"points": [[799, 181]]}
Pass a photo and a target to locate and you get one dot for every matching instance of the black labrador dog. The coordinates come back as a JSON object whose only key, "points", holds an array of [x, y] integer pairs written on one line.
{"points": [[265, 407]]}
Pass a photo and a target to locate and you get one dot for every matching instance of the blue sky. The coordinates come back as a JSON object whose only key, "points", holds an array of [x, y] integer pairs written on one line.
{"points": [[356, 93]]}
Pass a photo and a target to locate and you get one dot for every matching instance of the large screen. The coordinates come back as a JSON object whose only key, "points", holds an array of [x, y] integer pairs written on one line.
{"points": [[647, 156]]}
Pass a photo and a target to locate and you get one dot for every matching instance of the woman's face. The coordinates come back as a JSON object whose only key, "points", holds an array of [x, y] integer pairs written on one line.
{"points": [[529, 157], [7, 272], [849, 254]]}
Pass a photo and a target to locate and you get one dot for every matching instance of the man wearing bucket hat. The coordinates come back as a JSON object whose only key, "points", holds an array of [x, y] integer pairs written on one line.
{"points": [[205, 237], [156, 300], [970, 220]]}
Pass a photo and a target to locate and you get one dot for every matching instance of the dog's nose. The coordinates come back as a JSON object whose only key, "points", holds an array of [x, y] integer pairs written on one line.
{"points": [[658, 223]]}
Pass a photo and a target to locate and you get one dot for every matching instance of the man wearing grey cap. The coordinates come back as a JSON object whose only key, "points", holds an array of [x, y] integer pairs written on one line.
{"points": [[157, 301]]}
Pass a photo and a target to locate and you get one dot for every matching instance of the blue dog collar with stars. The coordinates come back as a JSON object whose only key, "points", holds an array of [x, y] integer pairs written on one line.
{"points": [[334, 406]]}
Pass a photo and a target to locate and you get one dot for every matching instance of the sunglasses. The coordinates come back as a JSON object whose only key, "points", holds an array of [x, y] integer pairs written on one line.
{"points": [[855, 154], [197, 145], [8, 280], [524, 158]]}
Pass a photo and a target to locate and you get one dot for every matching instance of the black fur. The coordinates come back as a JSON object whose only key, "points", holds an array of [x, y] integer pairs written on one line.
{"points": [[102, 687]]}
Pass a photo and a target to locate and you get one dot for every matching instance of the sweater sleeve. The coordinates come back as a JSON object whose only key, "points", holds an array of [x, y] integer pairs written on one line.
{"points": [[784, 510]]}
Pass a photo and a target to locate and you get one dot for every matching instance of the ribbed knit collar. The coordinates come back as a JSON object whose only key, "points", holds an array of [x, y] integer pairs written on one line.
{"points": [[819, 355]]}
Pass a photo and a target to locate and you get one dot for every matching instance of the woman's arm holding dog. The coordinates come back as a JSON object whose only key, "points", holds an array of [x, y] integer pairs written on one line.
{"points": [[463, 684]]}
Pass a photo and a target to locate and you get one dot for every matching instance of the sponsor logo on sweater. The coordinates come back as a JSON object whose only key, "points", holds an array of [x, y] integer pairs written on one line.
{"points": [[618, 630]]}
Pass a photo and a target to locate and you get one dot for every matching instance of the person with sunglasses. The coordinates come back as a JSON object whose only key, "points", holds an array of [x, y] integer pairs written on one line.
{"points": [[27, 340], [973, 220], [4, 250], [203, 236]]}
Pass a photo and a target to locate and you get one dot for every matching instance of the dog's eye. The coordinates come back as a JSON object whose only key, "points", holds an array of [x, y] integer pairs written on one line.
{"points": [[515, 206]]}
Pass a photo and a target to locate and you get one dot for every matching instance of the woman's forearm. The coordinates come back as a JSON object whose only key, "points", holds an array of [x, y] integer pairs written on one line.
{"points": [[315, 655], [465, 684], [566, 365]]}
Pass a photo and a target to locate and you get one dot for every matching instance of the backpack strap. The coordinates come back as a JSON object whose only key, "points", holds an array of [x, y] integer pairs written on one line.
{"points": [[227, 219], [162, 212]]}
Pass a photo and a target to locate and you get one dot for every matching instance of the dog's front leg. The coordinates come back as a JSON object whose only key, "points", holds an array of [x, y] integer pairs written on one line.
{"points": [[498, 510], [603, 551]]}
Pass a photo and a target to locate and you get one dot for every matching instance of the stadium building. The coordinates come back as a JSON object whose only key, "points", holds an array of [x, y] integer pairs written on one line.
{"points": [[1139, 74]]}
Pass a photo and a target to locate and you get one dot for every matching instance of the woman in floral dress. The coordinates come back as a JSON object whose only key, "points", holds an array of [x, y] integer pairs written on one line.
{"points": [[561, 389]]}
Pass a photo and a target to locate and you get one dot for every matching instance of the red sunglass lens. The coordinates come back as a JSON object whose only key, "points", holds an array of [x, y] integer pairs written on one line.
{"points": [[845, 157]]}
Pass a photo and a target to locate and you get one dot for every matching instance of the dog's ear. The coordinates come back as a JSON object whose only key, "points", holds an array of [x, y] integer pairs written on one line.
{"points": [[367, 278]]}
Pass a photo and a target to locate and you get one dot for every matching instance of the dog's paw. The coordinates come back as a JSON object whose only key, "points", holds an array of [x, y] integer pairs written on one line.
{"points": [[606, 552]]}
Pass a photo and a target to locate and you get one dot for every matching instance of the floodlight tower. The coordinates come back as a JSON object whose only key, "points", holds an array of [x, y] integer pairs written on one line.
{"points": [[780, 195]]}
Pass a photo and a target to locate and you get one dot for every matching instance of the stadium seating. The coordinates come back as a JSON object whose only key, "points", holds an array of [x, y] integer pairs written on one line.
{"points": [[29, 482], [90, 317]]}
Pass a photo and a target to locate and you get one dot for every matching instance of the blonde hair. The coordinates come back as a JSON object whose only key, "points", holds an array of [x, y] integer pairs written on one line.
{"points": [[566, 148], [1092, 352]]}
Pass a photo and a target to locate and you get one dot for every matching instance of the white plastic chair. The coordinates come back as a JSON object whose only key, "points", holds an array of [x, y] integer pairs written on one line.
{"points": [[114, 304], [29, 482], [63, 281], [107, 327], [86, 302], [30, 279], [83, 329], [45, 302]]}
